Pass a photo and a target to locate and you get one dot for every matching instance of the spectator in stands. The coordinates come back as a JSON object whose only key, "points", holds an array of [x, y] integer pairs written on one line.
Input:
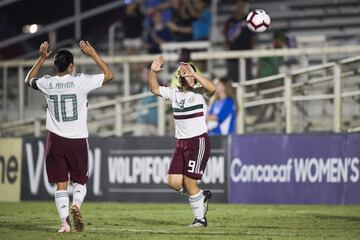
{"points": [[238, 37], [158, 34], [147, 120], [202, 25], [268, 66], [200, 13], [221, 117], [133, 28], [181, 21], [158, 6]]}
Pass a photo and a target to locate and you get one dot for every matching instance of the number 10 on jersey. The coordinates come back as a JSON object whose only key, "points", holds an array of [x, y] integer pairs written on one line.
{"points": [[64, 107]]}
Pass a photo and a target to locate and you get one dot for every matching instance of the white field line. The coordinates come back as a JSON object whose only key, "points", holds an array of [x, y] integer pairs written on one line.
{"points": [[122, 230]]}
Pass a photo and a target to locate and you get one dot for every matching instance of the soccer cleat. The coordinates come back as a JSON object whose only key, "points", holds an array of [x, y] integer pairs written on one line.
{"points": [[199, 223], [78, 219], [66, 226], [207, 196]]}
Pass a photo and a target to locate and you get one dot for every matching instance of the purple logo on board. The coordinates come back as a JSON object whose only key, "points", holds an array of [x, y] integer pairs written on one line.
{"points": [[310, 168]]}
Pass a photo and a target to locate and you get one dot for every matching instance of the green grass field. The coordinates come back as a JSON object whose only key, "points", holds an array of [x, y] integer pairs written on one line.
{"points": [[39, 220]]}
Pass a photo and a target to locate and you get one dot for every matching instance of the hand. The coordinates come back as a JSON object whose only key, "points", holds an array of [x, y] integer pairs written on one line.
{"points": [[157, 64], [186, 70], [44, 50], [172, 26], [86, 48]]}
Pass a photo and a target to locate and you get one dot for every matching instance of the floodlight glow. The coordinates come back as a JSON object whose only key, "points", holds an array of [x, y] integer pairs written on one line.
{"points": [[33, 28]]}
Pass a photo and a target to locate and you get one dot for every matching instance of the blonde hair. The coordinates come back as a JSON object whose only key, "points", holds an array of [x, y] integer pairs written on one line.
{"points": [[229, 90]]}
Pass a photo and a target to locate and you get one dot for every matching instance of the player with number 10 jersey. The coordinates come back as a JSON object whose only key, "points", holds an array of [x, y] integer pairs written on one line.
{"points": [[66, 120], [66, 98]]}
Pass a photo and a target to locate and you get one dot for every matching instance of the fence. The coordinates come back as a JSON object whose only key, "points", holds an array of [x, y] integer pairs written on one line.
{"points": [[245, 99], [288, 89]]}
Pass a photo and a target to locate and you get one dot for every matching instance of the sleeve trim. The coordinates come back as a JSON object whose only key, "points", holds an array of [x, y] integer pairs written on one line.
{"points": [[33, 84]]}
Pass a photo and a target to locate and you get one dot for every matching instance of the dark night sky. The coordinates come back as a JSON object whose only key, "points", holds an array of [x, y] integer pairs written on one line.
{"points": [[43, 11], [14, 16]]}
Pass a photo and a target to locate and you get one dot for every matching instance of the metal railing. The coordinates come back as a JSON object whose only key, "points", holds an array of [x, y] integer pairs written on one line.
{"points": [[288, 99], [242, 95], [125, 61], [118, 109], [111, 37], [116, 114]]}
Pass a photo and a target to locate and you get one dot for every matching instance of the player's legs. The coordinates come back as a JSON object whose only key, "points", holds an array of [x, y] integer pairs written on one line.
{"points": [[176, 169], [62, 205], [196, 155], [79, 193], [196, 200], [77, 158], [77, 218], [57, 171], [175, 181], [191, 185]]}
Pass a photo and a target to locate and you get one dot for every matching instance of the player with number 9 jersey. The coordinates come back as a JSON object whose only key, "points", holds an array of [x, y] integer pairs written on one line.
{"points": [[192, 148], [66, 121]]}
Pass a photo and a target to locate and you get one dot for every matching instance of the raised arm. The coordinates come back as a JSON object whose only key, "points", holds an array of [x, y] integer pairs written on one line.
{"points": [[91, 52], [155, 68], [175, 28], [44, 55], [208, 85], [151, 11]]}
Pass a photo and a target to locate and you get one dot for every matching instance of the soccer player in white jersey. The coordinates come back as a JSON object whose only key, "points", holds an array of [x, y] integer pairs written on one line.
{"points": [[192, 145], [66, 121]]}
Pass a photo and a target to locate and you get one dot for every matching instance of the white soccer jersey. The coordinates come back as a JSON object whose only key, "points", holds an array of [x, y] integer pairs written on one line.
{"points": [[66, 98], [189, 109]]}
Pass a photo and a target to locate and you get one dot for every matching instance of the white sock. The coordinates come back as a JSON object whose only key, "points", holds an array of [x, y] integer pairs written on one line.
{"points": [[62, 204], [182, 191], [79, 194], [197, 204]]}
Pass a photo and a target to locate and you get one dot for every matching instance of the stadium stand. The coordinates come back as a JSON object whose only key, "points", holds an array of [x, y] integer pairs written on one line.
{"points": [[311, 23]]}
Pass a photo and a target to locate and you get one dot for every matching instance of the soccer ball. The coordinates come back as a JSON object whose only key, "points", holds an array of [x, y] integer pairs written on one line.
{"points": [[258, 20]]}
